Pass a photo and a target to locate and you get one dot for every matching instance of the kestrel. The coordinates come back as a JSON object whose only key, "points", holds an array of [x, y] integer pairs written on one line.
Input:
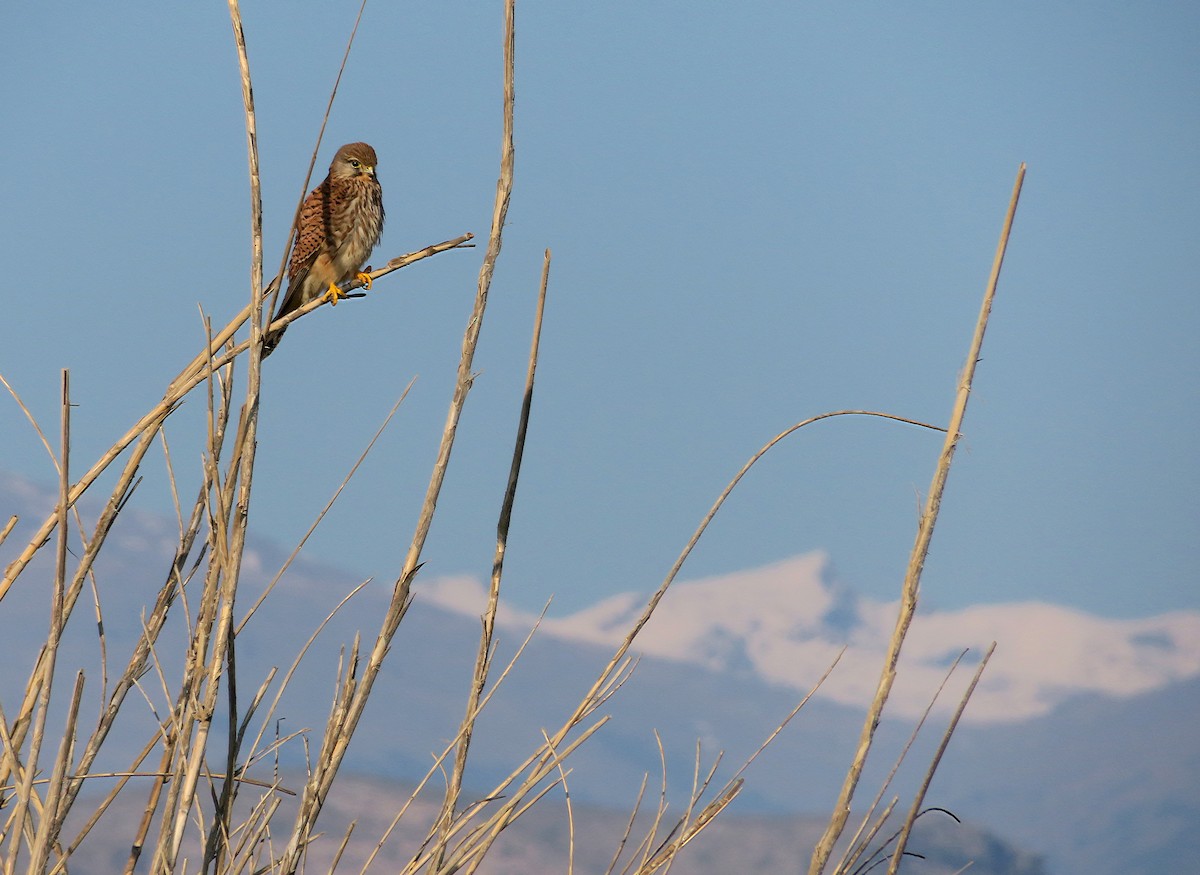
{"points": [[339, 225]]}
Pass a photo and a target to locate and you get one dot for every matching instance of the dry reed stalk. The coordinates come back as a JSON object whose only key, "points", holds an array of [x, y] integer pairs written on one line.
{"points": [[99, 810], [143, 830], [545, 759], [688, 828], [914, 811], [665, 853], [654, 853], [875, 828], [637, 806], [245, 448], [207, 653], [912, 578], [439, 760], [562, 775], [484, 654], [143, 649], [706, 816], [51, 822], [252, 753], [120, 494], [648, 840], [20, 821], [8, 527], [337, 857], [343, 723], [858, 845], [471, 850]]}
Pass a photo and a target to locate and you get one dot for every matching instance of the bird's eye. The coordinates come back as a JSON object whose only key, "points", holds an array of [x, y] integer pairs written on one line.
{"points": [[354, 163]]}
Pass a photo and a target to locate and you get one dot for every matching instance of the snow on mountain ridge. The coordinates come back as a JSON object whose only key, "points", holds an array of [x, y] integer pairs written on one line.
{"points": [[785, 623]]}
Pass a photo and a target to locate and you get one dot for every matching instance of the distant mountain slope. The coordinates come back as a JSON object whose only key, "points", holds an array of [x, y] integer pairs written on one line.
{"points": [[1101, 781], [1111, 784], [538, 844]]}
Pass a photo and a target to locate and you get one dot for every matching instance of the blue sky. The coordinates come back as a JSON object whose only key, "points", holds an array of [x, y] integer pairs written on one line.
{"points": [[758, 213]]}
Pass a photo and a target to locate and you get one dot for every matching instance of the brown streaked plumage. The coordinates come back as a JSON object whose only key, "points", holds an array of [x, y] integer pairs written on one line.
{"points": [[339, 225]]}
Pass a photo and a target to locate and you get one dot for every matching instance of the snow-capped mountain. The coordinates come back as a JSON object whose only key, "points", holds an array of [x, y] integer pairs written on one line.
{"points": [[785, 623]]}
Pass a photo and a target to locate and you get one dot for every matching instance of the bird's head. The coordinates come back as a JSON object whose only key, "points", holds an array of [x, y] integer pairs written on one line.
{"points": [[352, 160]]}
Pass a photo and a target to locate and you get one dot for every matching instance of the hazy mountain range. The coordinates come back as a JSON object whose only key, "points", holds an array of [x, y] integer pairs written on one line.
{"points": [[785, 623], [1081, 744]]}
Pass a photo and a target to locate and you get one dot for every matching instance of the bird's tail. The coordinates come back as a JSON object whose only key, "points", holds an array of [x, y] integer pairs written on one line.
{"points": [[273, 337], [272, 340]]}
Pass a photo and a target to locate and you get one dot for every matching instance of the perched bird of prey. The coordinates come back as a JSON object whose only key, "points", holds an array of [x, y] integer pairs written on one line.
{"points": [[339, 225]]}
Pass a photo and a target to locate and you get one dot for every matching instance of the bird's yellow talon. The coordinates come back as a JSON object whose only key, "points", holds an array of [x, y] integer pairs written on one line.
{"points": [[335, 294], [365, 279]]}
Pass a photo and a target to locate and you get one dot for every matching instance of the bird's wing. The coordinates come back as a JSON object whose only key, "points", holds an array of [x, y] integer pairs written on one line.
{"points": [[311, 232]]}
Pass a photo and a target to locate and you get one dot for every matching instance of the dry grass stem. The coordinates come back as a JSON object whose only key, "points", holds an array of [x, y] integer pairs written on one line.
{"points": [[562, 772], [605, 675], [858, 845], [464, 818], [912, 578], [340, 731], [21, 822], [919, 798], [791, 714], [8, 527], [37, 430], [337, 857], [328, 506], [637, 806], [484, 654]]}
